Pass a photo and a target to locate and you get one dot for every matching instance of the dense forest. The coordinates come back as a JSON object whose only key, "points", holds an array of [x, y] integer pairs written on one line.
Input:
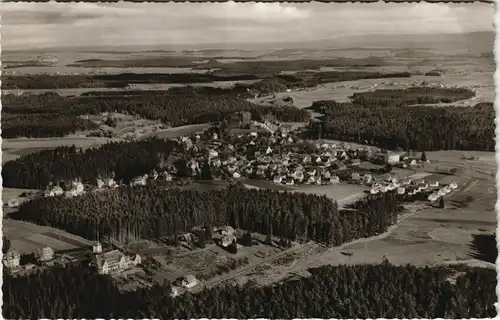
{"points": [[398, 125], [42, 125], [152, 211], [410, 96], [125, 159], [279, 82], [122, 80], [361, 291]]}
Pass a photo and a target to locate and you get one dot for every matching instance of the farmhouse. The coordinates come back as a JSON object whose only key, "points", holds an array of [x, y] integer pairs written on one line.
{"points": [[391, 157], [11, 259], [45, 254]]}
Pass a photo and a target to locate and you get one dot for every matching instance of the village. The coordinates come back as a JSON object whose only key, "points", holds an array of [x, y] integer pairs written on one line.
{"points": [[244, 151]]}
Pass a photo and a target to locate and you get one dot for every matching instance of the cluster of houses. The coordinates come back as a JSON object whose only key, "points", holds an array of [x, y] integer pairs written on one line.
{"points": [[273, 155], [76, 189], [442, 191], [154, 175], [12, 259], [412, 187]]}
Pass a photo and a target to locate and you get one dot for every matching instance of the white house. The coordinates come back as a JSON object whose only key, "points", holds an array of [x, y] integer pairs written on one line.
{"points": [[190, 281], [45, 254], [11, 259], [13, 203]]}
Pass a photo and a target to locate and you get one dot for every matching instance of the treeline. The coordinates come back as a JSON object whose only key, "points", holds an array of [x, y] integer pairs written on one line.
{"points": [[122, 80], [43, 125], [415, 128], [361, 291], [308, 79], [153, 212], [272, 67], [411, 96], [125, 159]]}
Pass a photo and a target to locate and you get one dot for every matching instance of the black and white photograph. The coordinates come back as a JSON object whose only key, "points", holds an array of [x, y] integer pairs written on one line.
{"points": [[248, 160]]}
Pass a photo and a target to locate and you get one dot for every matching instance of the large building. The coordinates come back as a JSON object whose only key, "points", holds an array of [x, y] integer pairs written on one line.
{"points": [[391, 157], [114, 261]]}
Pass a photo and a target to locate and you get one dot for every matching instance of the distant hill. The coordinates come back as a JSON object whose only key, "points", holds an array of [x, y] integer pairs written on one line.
{"points": [[479, 42], [482, 41]]}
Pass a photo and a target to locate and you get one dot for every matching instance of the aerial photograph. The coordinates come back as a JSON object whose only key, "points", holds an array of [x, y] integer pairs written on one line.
{"points": [[248, 160]]}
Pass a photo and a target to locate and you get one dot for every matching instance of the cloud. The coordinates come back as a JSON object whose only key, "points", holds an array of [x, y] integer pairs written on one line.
{"points": [[28, 25]]}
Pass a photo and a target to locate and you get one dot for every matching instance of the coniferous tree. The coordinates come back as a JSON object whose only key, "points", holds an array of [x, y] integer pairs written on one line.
{"points": [[5, 244], [423, 157], [206, 171], [441, 203]]}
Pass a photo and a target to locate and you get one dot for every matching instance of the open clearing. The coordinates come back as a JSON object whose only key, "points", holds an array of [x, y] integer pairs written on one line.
{"points": [[14, 148], [27, 237], [342, 192]]}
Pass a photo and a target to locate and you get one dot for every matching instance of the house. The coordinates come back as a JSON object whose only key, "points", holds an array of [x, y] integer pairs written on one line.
{"points": [[354, 162], [311, 180], [12, 259], [391, 157], [190, 281], [110, 183], [327, 175], [77, 186], [13, 203], [240, 118], [55, 191], [334, 179], [367, 178], [212, 153], [108, 262], [167, 176], [100, 183], [355, 176], [45, 254], [139, 181], [228, 239], [175, 292]]}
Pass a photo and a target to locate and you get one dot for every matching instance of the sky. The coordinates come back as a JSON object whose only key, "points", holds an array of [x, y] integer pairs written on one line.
{"points": [[29, 25]]}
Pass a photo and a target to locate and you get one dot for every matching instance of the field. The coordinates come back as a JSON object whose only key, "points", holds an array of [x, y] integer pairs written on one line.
{"points": [[342, 193], [26, 237], [14, 148]]}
